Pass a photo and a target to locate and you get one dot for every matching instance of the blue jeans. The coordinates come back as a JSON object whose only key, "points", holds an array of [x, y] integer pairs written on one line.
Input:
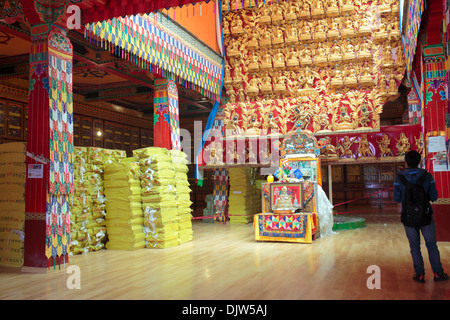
{"points": [[429, 234]]}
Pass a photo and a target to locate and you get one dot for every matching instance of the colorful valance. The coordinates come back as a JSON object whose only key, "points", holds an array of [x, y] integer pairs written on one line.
{"points": [[416, 8], [144, 40], [99, 10]]}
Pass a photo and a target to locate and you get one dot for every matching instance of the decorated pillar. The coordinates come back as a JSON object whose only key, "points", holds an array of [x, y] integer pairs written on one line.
{"points": [[166, 130], [434, 72], [49, 181]]}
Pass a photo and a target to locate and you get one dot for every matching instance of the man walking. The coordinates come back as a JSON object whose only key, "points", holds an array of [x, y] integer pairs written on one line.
{"points": [[405, 182]]}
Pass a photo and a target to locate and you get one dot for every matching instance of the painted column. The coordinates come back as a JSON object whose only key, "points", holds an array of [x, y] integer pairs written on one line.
{"points": [[434, 72], [49, 180], [166, 130]]}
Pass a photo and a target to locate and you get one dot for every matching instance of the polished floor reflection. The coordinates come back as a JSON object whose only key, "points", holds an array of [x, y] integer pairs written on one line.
{"points": [[224, 262]]}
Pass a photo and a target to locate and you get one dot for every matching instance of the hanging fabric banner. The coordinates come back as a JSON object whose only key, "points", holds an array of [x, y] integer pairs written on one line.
{"points": [[198, 172], [416, 8], [147, 42]]}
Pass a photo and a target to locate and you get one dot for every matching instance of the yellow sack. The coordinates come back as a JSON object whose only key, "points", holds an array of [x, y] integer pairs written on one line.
{"points": [[157, 190], [130, 230], [148, 152], [124, 223], [166, 198]]}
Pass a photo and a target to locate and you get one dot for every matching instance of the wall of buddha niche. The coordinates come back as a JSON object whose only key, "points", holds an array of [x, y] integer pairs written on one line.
{"points": [[327, 66]]}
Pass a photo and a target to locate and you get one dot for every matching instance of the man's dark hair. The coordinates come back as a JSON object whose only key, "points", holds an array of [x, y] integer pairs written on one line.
{"points": [[412, 159]]}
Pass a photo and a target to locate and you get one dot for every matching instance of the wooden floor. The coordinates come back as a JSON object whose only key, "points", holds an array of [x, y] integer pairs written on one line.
{"points": [[224, 262]]}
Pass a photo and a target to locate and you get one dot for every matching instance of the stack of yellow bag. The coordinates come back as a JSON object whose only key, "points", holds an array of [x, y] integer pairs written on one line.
{"points": [[12, 203], [88, 209], [124, 218], [183, 192], [244, 197], [159, 201], [80, 208], [97, 158]]}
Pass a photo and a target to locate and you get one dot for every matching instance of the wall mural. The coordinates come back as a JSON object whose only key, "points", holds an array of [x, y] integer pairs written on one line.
{"points": [[325, 66]]}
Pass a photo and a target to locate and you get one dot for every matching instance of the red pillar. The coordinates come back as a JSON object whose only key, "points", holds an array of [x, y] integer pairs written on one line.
{"points": [[49, 149], [435, 75], [166, 130]]}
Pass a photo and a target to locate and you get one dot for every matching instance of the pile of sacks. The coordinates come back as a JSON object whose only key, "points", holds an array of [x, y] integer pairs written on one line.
{"points": [[124, 219], [244, 197], [158, 197], [165, 197], [80, 207], [12, 203], [183, 195], [88, 209]]}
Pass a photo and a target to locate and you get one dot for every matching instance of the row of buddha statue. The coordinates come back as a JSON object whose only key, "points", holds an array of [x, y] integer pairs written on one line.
{"points": [[291, 10], [321, 114], [343, 148], [311, 81], [307, 31], [349, 148]]}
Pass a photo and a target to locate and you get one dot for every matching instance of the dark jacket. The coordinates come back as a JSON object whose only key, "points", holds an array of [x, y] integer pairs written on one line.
{"points": [[412, 175]]}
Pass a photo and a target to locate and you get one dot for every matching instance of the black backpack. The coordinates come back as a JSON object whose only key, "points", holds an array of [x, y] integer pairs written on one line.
{"points": [[416, 208]]}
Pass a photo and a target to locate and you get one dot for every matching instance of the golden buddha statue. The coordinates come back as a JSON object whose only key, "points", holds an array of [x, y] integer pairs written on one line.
{"points": [[384, 6], [251, 38], [350, 53], [364, 151], [226, 27], [291, 35], [329, 152], [237, 25], [279, 86], [332, 10], [333, 31], [346, 7], [292, 9], [265, 15], [305, 31], [317, 9], [337, 79], [366, 76], [335, 53], [292, 60], [382, 85], [364, 28], [381, 33], [304, 11], [387, 55], [266, 61], [402, 145], [320, 55], [419, 143], [277, 14], [305, 57], [265, 37], [266, 84], [279, 59], [252, 86], [364, 52], [320, 30], [227, 78], [253, 64], [350, 77], [278, 36], [348, 30], [346, 152], [383, 144], [232, 46]]}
